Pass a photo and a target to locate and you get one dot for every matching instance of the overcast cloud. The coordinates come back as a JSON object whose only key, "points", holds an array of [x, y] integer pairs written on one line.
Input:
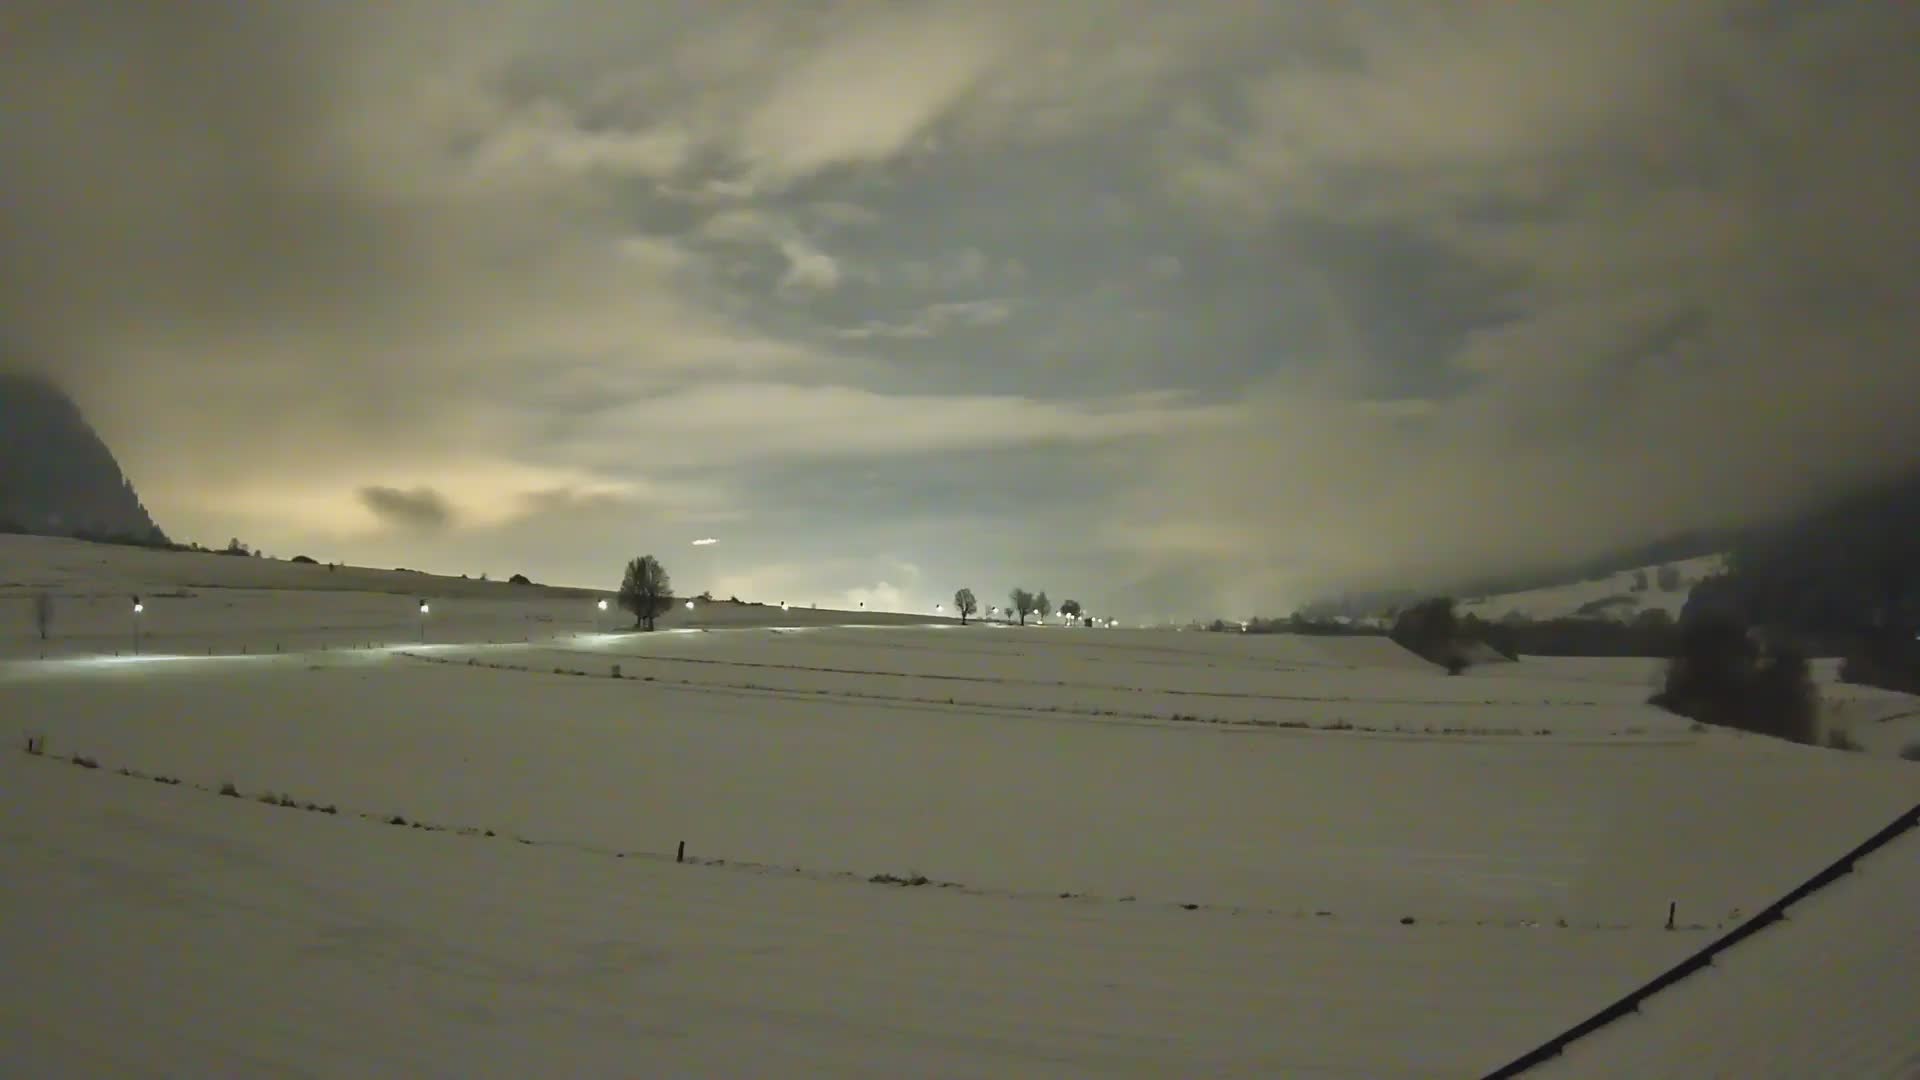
{"points": [[1174, 309]]}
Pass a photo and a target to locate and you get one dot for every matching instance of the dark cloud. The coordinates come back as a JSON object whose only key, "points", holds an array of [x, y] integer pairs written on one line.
{"points": [[423, 509], [1287, 296]]}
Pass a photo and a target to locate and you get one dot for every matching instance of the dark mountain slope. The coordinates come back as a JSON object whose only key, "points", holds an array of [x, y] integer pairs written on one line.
{"points": [[57, 477]]}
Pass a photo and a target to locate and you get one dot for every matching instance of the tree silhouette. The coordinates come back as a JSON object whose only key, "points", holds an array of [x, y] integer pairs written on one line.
{"points": [[646, 591], [1022, 603]]}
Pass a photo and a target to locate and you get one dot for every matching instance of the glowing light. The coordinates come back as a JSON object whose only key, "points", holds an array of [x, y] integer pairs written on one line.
{"points": [[150, 658]]}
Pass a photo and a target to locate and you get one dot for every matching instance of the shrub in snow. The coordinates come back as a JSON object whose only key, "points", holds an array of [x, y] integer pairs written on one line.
{"points": [[1431, 630], [1721, 676], [910, 881]]}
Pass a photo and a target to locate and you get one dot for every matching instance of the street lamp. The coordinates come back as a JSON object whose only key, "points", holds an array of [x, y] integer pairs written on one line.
{"points": [[138, 607]]}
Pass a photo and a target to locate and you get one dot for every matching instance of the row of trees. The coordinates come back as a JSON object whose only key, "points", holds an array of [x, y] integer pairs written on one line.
{"points": [[646, 591], [1718, 671], [1435, 630], [1843, 581], [1021, 603]]}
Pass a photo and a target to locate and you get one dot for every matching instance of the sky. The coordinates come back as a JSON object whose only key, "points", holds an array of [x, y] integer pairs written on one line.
{"points": [[1178, 310]]}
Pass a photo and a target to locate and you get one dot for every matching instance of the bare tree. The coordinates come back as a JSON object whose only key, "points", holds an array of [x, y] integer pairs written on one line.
{"points": [[43, 614], [646, 591], [965, 604], [1022, 603]]}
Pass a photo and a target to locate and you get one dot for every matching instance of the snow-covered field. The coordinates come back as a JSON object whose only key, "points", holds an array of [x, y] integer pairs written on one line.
{"points": [[1145, 853], [1832, 991]]}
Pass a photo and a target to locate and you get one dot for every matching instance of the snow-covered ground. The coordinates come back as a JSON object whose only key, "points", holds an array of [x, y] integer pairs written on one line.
{"points": [[1833, 990], [203, 604], [1145, 853], [1617, 596]]}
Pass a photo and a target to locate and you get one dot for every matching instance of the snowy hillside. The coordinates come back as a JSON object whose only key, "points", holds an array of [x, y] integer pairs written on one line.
{"points": [[1620, 597], [911, 847]]}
